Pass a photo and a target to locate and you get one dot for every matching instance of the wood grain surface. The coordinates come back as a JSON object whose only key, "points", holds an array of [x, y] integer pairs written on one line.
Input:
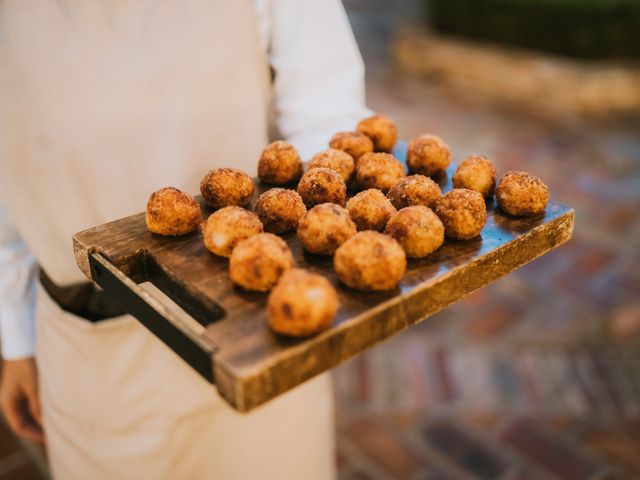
{"points": [[250, 364]]}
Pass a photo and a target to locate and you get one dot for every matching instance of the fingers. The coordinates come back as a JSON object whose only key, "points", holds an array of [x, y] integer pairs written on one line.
{"points": [[19, 399], [12, 412], [29, 428], [20, 421], [33, 401]]}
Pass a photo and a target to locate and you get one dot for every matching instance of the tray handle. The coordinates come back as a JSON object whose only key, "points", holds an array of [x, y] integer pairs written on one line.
{"points": [[192, 345]]}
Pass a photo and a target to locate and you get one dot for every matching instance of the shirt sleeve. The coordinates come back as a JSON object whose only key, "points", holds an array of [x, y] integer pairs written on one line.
{"points": [[319, 73], [17, 293]]}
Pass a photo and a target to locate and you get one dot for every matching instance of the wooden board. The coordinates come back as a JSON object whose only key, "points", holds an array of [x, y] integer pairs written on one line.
{"points": [[227, 339]]}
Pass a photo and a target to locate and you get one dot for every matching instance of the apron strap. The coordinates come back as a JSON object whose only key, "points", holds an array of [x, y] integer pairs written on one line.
{"points": [[82, 299]]}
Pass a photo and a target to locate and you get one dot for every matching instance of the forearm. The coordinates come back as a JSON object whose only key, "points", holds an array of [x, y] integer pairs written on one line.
{"points": [[319, 82], [17, 293]]}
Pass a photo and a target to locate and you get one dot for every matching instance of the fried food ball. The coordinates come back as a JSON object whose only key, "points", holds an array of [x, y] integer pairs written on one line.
{"points": [[337, 160], [462, 213], [417, 229], [370, 261], [381, 130], [414, 190], [477, 173], [428, 155], [224, 187], [279, 164], [521, 194], [279, 210], [379, 170], [301, 304], [228, 226], [321, 185], [172, 212], [324, 228], [370, 209], [355, 144], [258, 262]]}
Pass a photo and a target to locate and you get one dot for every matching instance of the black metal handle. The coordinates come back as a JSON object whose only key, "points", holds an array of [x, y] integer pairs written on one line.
{"points": [[189, 343]]}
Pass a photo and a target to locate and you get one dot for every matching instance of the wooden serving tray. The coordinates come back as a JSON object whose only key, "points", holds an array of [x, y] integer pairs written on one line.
{"points": [[225, 336]]}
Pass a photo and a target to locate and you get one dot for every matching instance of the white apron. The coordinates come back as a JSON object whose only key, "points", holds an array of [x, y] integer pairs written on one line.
{"points": [[101, 103], [120, 405]]}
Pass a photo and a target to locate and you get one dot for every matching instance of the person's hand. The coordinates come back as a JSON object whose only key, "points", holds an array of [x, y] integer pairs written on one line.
{"points": [[19, 398]]}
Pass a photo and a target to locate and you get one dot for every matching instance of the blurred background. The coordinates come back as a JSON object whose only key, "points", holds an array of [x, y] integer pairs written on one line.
{"points": [[538, 375]]}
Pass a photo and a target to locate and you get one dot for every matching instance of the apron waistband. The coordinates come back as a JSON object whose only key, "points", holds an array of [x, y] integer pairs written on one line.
{"points": [[82, 299]]}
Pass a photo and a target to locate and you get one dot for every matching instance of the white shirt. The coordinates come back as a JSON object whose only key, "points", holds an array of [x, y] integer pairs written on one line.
{"points": [[318, 90]]}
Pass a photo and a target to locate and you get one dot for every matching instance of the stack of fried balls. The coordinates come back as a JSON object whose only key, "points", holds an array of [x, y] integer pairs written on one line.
{"points": [[386, 218]]}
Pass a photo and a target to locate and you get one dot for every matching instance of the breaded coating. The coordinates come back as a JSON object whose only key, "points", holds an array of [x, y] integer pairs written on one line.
{"points": [[321, 185], [381, 130], [370, 261], [227, 227], [477, 173], [414, 190], [417, 229], [324, 228], [428, 155], [301, 304], [279, 210], [279, 164], [378, 170], [462, 213], [224, 187], [521, 194], [258, 262], [370, 210], [172, 212], [337, 160], [355, 144]]}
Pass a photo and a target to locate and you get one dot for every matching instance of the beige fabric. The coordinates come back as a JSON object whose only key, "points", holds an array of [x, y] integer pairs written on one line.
{"points": [[123, 406], [99, 129], [95, 130]]}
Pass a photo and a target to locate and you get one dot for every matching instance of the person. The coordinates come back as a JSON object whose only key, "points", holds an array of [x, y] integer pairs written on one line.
{"points": [[102, 103]]}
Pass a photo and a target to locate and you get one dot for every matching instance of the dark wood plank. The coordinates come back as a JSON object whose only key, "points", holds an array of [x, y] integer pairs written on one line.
{"points": [[251, 365]]}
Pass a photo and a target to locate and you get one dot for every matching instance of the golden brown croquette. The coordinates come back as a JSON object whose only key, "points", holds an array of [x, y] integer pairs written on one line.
{"points": [[414, 190], [227, 227], [462, 213], [324, 228], [477, 173], [378, 170], [417, 229], [279, 210], [257, 262], [381, 130], [428, 155], [172, 212], [370, 210], [279, 164], [322, 185], [301, 304], [521, 194], [370, 261], [224, 187]]}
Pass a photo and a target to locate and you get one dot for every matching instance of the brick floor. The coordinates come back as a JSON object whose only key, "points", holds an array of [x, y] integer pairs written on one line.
{"points": [[15, 463], [534, 443], [471, 455], [616, 445], [538, 375], [388, 451]]}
